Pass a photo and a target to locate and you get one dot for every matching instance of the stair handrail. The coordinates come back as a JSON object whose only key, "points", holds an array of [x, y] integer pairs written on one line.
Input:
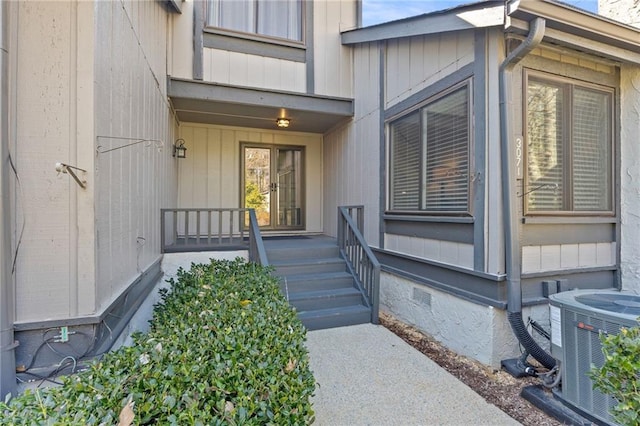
{"points": [[257, 252], [361, 260]]}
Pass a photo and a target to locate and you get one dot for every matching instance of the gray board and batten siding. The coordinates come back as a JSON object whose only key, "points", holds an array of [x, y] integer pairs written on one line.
{"points": [[595, 235]]}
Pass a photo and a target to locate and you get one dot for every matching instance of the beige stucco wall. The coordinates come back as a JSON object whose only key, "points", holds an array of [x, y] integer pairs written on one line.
{"points": [[474, 330], [87, 73], [630, 178], [626, 11], [210, 176]]}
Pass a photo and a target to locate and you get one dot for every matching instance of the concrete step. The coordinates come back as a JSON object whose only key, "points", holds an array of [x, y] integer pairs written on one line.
{"points": [[335, 317], [325, 299], [308, 266], [309, 282]]}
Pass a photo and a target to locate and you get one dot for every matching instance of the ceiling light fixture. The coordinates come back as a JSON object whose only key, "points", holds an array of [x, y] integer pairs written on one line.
{"points": [[283, 122]]}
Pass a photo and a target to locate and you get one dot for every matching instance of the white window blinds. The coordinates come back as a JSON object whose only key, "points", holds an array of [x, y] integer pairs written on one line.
{"points": [[569, 147], [405, 163], [591, 150], [446, 123]]}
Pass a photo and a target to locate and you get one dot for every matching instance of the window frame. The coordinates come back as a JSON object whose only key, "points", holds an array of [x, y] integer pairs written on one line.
{"points": [[255, 36], [419, 109], [568, 86]]}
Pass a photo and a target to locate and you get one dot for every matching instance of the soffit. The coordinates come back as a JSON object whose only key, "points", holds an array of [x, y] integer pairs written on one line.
{"points": [[210, 103]]}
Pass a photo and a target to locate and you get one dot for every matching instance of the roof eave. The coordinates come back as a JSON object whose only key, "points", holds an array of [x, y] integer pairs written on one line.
{"points": [[568, 25], [478, 15]]}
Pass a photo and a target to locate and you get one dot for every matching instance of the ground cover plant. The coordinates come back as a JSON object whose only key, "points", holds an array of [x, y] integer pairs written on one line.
{"points": [[224, 348]]}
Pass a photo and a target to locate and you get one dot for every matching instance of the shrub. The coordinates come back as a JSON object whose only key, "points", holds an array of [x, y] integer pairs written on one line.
{"points": [[224, 348], [619, 375]]}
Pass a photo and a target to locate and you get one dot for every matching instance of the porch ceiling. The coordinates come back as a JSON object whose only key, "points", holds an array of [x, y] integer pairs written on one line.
{"points": [[211, 103]]}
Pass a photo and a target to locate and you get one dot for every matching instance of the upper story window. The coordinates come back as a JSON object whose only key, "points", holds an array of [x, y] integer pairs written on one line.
{"points": [[271, 18], [569, 146], [429, 155]]}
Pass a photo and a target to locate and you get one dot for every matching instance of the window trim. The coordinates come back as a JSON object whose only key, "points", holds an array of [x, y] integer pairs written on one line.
{"points": [[257, 37], [419, 107], [567, 111]]}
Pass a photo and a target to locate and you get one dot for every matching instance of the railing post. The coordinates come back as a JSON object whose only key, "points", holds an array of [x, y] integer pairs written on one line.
{"points": [[162, 230], [340, 228]]}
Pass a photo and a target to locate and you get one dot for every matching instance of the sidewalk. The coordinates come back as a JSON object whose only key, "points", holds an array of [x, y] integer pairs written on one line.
{"points": [[367, 375]]}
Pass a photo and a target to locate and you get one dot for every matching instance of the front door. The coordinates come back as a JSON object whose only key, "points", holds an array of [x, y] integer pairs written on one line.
{"points": [[273, 185]]}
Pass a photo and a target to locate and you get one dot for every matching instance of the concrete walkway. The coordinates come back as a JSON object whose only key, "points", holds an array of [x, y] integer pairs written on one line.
{"points": [[369, 376]]}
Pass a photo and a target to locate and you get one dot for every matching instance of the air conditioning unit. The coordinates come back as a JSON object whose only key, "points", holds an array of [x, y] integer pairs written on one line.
{"points": [[577, 319]]}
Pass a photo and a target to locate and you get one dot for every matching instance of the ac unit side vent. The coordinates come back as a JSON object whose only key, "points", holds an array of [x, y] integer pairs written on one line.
{"points": [[585, 314]]}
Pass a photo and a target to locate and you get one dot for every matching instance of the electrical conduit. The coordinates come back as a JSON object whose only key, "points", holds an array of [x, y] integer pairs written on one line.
{"points": [[510, 208]]}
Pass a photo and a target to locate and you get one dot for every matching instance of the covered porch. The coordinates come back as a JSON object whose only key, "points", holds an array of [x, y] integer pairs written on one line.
{"points": [[331, 282]]}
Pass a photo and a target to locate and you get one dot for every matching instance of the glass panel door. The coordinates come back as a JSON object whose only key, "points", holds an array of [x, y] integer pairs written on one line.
{"points": [[257, 183], [289, 187], [273, 185]]}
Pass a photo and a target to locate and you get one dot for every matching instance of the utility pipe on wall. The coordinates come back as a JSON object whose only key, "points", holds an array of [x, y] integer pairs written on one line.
{"points": [[510, 199], [7, 345]]}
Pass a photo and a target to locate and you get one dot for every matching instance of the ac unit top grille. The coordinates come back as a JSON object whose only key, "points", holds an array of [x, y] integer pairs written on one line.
{"points": [[619, 303]]}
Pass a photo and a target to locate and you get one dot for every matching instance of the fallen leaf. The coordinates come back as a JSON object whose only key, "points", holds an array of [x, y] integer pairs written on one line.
{"points": [[126, 415], [291, 365], [228, 407], [245, 302]]}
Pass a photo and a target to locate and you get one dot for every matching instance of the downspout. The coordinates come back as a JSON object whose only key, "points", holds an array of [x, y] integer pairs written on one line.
{"points": [[510, 207], [7, 345]]}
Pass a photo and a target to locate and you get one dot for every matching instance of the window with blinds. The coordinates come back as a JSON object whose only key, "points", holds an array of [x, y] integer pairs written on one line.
{"points": [[272, 18], [569, 147], [429, 156]]}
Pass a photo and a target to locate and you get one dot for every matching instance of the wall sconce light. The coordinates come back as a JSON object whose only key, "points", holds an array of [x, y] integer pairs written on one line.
{"points": [[179, 149], [283, 122]]}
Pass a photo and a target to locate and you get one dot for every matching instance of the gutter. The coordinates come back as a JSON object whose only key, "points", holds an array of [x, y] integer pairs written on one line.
{"points": [[510, 200], [7, 343]]}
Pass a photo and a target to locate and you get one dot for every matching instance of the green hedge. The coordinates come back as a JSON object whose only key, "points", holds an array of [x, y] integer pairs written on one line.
{"points": [[619, 375], [224, 348]]}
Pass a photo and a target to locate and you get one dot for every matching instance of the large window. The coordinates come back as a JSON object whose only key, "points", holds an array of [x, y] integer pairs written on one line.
{"points": [[569, 146], [429, 156], [272, 18]]}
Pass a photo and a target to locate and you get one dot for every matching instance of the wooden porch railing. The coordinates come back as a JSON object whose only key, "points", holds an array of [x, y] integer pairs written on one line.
{"points": [[360, 259], [198, 229], [257, 252]]}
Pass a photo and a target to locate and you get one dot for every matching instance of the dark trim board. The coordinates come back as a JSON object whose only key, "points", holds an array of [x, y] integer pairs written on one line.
{"points": [[576, 233], [487, 289], [455, 232], [476, 287], [593, 279], [264, 47], [90, 335], [415, 101]]}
